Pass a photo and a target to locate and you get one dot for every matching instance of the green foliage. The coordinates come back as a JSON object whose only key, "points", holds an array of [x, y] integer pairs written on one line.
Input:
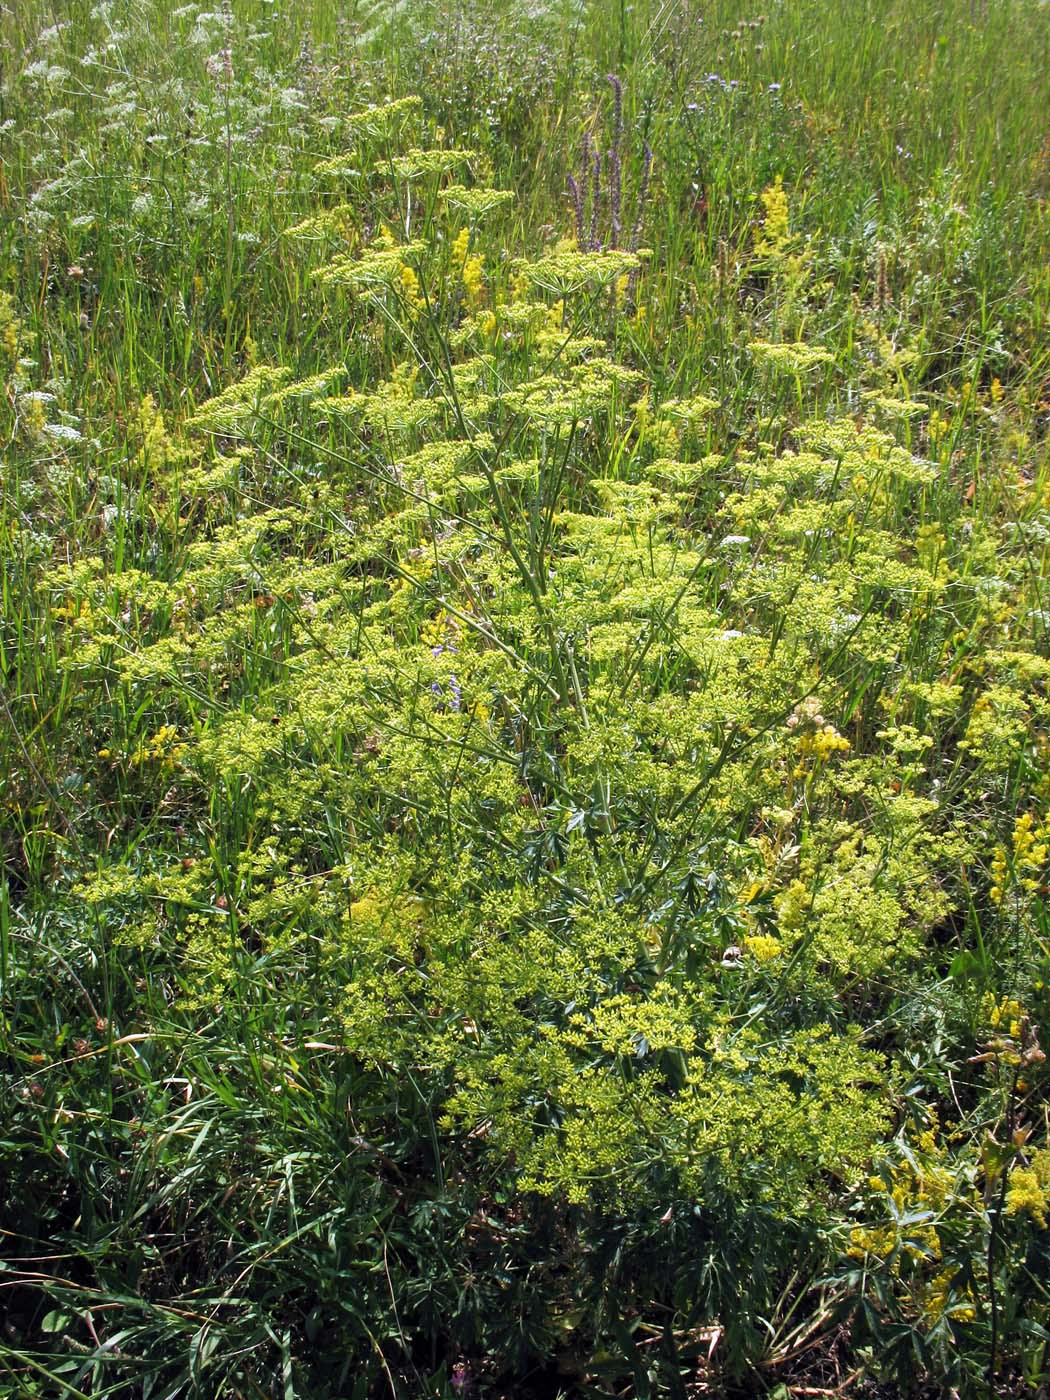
{"points": [[524, 780]]}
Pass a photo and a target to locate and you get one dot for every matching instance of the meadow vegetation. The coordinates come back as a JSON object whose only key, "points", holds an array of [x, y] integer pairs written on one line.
{"points": [[524, 786]]}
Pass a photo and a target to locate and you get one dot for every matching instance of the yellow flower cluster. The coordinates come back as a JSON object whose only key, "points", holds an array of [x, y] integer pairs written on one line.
{"points": [[793, 905], [1004, 1014], [381, 266], [410, 286], [71, 610], [792, 357], [763, 947], [1031, 842], [879, 1240], [1031, 849], [938, 1299], [377, 123], [1028, 858], [917, 1191], [34, 419], [9, 326], [566, 270], [775, 234], [1028, 1192], [417, 162], [822, 743], [163, 748], [337, 221], [937, 427], [473, 279], [470, 267], [477, 201], [157, 445]]}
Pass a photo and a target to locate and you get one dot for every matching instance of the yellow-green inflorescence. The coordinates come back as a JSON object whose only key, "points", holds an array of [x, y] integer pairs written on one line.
{"points": [[617, 863]]}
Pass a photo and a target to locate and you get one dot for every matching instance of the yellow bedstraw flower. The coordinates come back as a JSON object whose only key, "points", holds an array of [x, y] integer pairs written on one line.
{"points": [[938, 1300], [163, 748], [1003, 1014], [822, 743], [763, 947], [473, 279], [470, 267], [410, 286], [1026, 1195], [1000, 871], [776, 229], [460, 247], [9, 326]]}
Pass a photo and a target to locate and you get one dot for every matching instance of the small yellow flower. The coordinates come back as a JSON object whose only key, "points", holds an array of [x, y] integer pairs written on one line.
{"points": [[1026, 1195], [1004, 1015], [938, 1298], [763, 948], [776, 228], [9, 326], [822, 743], [35, 418], [163, 748], [460, 247], [410, 286], [473, 279]]}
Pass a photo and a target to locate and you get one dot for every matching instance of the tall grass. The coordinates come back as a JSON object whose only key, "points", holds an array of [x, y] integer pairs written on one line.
{"points": [[524, 773]]}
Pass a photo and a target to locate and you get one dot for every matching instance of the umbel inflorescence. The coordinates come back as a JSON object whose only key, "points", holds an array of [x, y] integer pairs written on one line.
{"points": [[546, 750]]}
